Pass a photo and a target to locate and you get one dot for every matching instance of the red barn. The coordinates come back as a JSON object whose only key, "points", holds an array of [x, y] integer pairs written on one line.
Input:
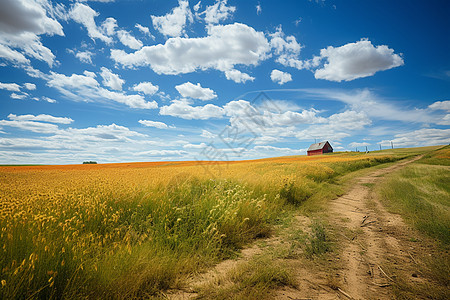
{"points": [[320, 148]]}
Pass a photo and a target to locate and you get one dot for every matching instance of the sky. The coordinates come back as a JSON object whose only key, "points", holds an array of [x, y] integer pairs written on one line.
{"points": [[146, 80]]}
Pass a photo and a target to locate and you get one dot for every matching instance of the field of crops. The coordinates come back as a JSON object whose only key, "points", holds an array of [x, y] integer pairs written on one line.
{"points": [[134, 230]]}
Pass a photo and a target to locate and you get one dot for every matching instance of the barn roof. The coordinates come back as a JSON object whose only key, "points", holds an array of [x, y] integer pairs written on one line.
{"points": [[317, 146]]}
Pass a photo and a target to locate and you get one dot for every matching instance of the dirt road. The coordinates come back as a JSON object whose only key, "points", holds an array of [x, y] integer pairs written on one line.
{"points": [[375, 243], [374, 249]]}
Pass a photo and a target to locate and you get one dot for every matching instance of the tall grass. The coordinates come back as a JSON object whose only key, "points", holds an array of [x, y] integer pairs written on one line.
{"points": [[421, 193], [120, 232]]}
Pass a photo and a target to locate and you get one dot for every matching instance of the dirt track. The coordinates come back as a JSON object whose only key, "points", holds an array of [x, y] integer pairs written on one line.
{"points": [[376, 249], [372, 238]]}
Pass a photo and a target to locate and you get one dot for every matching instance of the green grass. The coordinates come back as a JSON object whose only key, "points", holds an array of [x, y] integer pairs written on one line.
{"points": [[421, 194]]}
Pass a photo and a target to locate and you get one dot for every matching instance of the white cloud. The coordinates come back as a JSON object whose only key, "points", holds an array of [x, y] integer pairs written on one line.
{"points": [[195, 146], [183, 109], [18, 96], [356, 60], [86, 88], [258, 9], [336, 127], [421, 137], [85, 15], [173, 23], [195, 91], [223, 48], [21, 23], [143, 29], [32, 126], [145, 87], [12, 87], [41, 118], [12, 55], [286, 151], [207, 134], [155, 124], [440, 105], [237, 76], [128, 40], [280, 77], [49, 100], [445, 120], [374, 106], [111, 80], [85, 56], [218, 12], [29, 86], [109, 26], [286, 48], [197, 6], [163, 153], [358, 144], [133, 101]]}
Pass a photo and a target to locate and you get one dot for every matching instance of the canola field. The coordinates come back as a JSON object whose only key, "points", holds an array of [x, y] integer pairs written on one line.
{"points": [[134, 230]]}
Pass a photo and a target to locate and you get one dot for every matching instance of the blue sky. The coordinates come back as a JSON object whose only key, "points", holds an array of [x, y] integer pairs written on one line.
{"points": [[136, 80]]}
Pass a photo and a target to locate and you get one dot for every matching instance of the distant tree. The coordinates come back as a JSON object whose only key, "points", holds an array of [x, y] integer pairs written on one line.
{"points": [[89, 162]]}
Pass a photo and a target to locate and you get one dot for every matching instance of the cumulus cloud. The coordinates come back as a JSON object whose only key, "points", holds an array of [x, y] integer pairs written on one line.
{"points": [[21, 23], [223, 48], [183, 109], [86, 88], [195, 91], [18, 96], [356, 60], [155, 124], [218, 12], [173, 23], [286, 48], [111, 80], [30, 123], [109, 26], [83, 14], [128, 40], [12, 87], [85, 56], [145, 87], [237, 76], [29, 86], [280, 77], [336, 126], [440, 105], [49, 100]]}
